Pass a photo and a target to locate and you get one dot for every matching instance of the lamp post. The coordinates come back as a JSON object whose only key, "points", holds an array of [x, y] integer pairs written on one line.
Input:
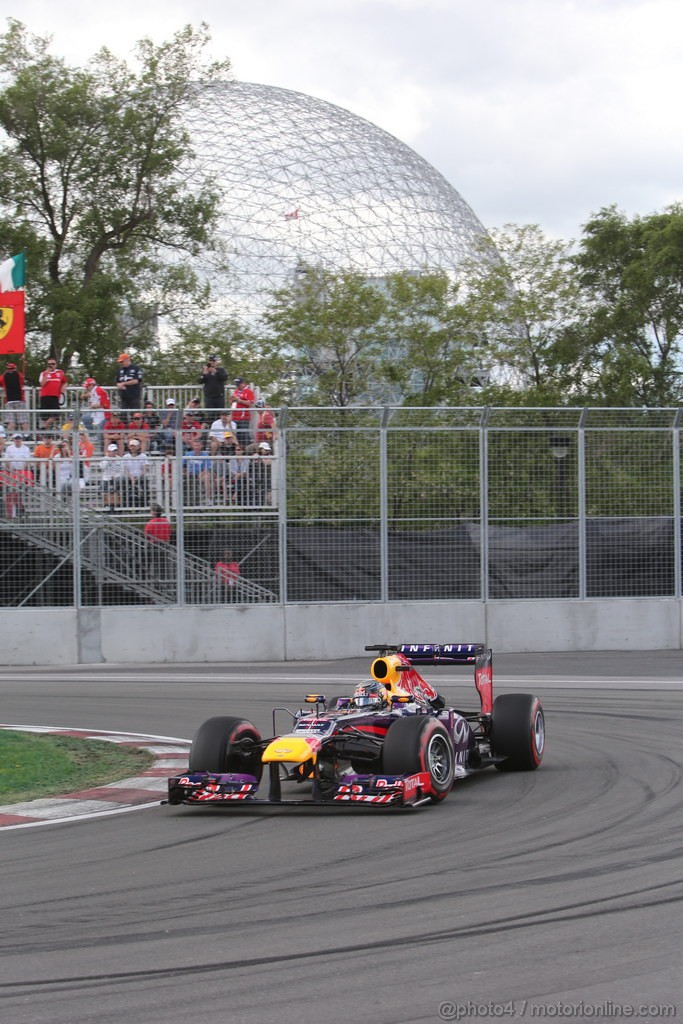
{"points": [[560, 446]]}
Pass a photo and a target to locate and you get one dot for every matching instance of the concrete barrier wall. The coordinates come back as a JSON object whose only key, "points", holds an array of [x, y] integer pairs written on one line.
{"points": [[65, 636]]}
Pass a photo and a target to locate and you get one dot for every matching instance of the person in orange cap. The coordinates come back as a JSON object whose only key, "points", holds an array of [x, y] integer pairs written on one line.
{"points": [[129, 384]]}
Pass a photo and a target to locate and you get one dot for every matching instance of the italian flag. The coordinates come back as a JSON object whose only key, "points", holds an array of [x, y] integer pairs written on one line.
{"points": [[13, 273], [12, 323]]}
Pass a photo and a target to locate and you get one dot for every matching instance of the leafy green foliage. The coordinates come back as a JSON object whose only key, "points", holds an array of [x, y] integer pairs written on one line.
{"points": [[331, 329], [93, 183], [632, 273], [524, 305]]}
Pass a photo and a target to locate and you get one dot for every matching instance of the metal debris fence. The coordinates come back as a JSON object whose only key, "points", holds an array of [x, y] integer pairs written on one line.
{"points": [[354, 504]]}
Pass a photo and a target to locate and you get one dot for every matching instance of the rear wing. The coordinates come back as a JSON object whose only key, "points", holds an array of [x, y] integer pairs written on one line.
{"points": [[442, 654]]}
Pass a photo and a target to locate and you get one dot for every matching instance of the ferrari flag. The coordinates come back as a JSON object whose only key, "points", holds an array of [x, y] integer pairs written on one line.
{"points": [[11, 323], [13, 273]]}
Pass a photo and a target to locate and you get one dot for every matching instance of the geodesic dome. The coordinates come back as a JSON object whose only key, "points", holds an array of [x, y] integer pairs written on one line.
{"points": [[309, 183]]}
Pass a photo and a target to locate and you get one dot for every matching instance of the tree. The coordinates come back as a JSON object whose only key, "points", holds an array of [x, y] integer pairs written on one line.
{"points": [[632, 271], [94, 183], [241, 350], [430, 359], [353, 340], [524, 305], [331, 329]]}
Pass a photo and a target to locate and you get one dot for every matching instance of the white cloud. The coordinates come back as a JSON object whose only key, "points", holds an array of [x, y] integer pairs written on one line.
{"points": [[537, 111]]}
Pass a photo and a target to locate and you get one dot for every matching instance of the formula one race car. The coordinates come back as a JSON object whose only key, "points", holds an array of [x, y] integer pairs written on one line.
{"points": [[393, 742]]}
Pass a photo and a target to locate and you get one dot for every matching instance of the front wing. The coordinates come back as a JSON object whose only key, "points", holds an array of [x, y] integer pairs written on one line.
{"points": [[369, 790]]}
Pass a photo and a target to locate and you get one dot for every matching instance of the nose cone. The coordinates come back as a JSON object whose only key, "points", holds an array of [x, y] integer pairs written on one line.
{"points": [[290, 749]]}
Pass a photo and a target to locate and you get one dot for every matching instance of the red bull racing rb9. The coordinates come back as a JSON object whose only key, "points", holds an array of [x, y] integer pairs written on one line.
{"points": [[392, 743]]}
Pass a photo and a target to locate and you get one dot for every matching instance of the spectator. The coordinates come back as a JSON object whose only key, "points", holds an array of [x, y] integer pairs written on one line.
{"points": [[238, 476], [18, 453], [158, 528], [192, 425], [213, 380], [70, 424], [260, 489], [197, 474], [16, 413], [99, 404], [139, 428], [115, 432], [170, 422], [111, 476], [129, 383], [45, 448], [241, 404], [86, 450], [265, 424], [228, 573], [221, 434], [158, 531], [151, 416], [52, 383], [18, 475], [135, 468], [64, 469]]}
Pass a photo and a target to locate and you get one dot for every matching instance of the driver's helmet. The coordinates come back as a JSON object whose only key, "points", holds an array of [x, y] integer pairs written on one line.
{"points": [[369, 694]]}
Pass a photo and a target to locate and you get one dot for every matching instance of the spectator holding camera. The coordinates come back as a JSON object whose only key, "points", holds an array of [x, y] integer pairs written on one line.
{"points": [[213, 380]]}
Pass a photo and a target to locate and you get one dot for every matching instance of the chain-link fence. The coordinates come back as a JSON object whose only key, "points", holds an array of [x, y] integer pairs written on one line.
{"points": [[357, 504]]}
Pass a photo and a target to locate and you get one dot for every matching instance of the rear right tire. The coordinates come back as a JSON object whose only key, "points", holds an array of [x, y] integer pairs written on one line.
{"points": [[517, 732]]}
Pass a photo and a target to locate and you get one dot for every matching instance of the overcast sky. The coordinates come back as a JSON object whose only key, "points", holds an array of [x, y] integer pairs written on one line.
{"points": [[536, 111]]}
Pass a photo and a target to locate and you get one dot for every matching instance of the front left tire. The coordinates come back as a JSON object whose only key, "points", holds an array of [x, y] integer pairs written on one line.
{"points": [[225, 744]]}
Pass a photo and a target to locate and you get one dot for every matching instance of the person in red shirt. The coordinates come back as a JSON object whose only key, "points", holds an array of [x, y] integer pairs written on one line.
{"points": [[157, 528], [228, 572], [158, 532], [265, 425], [52, 383], [16, 414], [241, 404], [139, 429], [115, 432]]}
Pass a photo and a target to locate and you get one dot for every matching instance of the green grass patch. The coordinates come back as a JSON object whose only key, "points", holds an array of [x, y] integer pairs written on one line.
{"points": [[36, 765]]}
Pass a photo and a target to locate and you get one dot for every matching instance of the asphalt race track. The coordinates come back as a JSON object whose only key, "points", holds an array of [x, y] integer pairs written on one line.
{"points": [[527, 896]]}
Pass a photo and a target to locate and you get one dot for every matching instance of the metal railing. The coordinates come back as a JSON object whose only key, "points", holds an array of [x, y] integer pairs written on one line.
{"points": [[365, 504]]}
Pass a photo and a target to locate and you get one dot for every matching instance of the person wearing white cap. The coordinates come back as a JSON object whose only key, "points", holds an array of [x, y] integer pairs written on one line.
{"points": [[18, 455], [261, 475], [18, 452], [135, 467], [111, 470], [170, 422]]}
